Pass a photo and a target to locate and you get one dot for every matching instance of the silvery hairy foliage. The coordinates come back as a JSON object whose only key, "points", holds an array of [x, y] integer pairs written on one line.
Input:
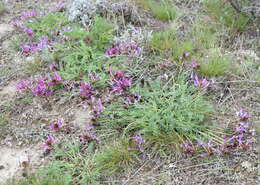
{"points": [[134, 34], [85, 10], [82, 11]]}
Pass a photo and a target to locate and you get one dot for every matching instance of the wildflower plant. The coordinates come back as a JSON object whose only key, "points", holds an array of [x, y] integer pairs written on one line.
{"points": [[165, 115]]}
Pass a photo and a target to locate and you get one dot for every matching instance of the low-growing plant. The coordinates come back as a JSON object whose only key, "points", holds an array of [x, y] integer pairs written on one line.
{"points": [[215, 64], [47, 24], [166, 115], [163, 10]]}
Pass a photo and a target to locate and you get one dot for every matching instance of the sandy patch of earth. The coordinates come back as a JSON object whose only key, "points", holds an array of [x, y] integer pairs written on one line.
{"points": [[4, 29], [13, 160], [9, 90]]}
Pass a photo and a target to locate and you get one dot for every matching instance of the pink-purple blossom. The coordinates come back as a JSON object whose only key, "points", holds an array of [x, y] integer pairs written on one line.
{"points": [[124, 48], [48, 143], [188, 148], [28, 14], [96, 106], [41, 88], [194, 64], [85, 90], [132, 99], [22, 86], [120, 83], [201, 83], [139, 142], [243, 115], [56, 125], [28, 31], [56, 79]]}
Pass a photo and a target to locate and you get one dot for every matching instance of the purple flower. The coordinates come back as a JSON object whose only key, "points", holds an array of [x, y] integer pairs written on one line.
{"points": [[56, 79], [93, 77], [96, 106], [56, 125], [185, 54], [139, 141], [28, 31], [120, 83], [242, 128], [201, 83], [243, 115], [124, 48], [16, 23], [194, 64], [41, 88], [60, 6], [22, 85], [112, 52], [48, 143], [89, 127], [132, 99], [44, 42], [25, 49], [28, 14], [85, 90], [87, 137], [188, 148]]}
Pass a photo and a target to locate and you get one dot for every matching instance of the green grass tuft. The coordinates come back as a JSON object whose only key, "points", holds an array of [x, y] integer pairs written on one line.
{"points": [[116, 157], [163, 10], [215, 64]]}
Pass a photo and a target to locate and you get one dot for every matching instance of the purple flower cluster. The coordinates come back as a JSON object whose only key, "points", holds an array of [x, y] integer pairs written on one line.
{"points": [[22, 86], [48, 143], [120, 83], [132, 99], [124, 48], [59, 6], [96, 106], [42, 86], [44, 42], [243, 115], [85, 90], [201, 83], [242, 138], [138, 142], [188, 148], [87, 136], [56, 125], [194, 64], [29, 14]]}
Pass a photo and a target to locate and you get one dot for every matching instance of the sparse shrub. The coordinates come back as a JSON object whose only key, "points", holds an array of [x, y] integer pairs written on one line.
{"points": [[2, 7], [223, 13], [163, 41], [163, 10], [215, 64], [204, 35]]}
